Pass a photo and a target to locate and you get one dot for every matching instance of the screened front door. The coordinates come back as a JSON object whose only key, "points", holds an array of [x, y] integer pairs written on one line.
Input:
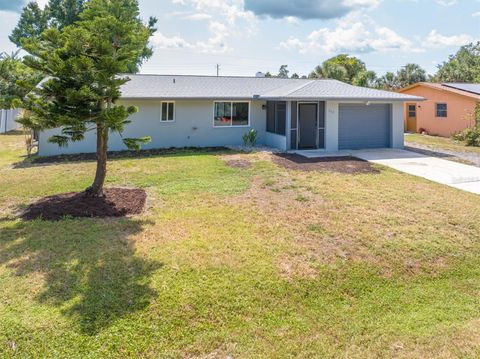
{"points": [[307, 123]]}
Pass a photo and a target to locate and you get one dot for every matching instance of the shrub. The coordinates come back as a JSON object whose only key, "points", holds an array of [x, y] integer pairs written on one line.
{"points": [[250, 138], [470, 136]]}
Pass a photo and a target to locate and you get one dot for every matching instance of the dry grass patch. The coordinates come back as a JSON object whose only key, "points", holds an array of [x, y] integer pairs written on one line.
{"points": [[264, 262]]}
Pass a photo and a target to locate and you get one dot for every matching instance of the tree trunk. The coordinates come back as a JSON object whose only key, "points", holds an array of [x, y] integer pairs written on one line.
{"points": [[96, 189]]}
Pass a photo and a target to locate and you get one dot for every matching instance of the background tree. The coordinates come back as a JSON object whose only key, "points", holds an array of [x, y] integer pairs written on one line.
{"points": [[464, 66], [62, 13], [283, 71], [16, 80], [389, 82], [59, 14], [33, 21], [82, 62], [365, 79], [410, 74], [345, 68]]}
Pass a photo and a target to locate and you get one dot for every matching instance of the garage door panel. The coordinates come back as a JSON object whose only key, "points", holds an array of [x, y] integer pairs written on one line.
{"points": [[362, 126]]}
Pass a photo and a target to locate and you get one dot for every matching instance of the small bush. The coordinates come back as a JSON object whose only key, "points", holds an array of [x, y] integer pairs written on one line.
{"points": [[470, 136], [250, 138]]}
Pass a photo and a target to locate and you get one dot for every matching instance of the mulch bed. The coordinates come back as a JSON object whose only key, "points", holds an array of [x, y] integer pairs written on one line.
{"points": [[123, 154], [344, 164], [242, 164], [117, 202]]}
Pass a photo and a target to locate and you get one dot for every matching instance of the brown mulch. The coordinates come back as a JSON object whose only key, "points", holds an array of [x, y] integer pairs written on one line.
{"points": [[243, 164], [344, 164], [117, 202]]}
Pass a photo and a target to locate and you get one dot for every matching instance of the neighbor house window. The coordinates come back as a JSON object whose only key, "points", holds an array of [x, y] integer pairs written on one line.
{"points": [[230, 113], [168, 111], [441, 110], [412, 111]]}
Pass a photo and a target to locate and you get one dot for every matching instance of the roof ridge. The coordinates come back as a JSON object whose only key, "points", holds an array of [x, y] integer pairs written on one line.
{"points": [[300, 87], [213, 76]]}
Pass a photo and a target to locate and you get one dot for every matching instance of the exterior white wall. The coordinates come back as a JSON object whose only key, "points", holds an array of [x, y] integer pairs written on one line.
{"points": [[331, 126], [193, 127], [276, 141], [7, 120], [397, 140]]}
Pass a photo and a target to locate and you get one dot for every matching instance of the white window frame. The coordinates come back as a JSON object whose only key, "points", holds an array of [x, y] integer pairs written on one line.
{"points": [[231, 104], [174, 111]]}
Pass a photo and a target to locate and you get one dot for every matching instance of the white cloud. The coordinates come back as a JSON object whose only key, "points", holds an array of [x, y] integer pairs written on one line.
{"points": [[175, 42], [197, 16], [446, 2], [436, 40], [226, 19], [476, 14], [353, 34]]}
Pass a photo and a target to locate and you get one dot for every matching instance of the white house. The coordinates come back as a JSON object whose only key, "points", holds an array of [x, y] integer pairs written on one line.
{"points": [[202, 111], [7, 120]]}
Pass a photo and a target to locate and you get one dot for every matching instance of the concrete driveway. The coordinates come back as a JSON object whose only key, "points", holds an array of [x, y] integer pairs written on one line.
{"points": [[435, 169]]}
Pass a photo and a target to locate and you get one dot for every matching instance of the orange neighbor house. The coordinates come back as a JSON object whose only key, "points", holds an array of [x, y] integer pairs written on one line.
{"points": [[448, 108]]}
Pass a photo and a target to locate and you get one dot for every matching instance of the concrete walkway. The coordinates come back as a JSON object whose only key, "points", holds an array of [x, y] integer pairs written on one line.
{"points": [[458, 175], [435, 169]]}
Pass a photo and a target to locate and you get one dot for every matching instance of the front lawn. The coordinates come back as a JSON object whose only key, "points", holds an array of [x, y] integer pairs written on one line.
{"points": [[439, 143], [251, 261]]}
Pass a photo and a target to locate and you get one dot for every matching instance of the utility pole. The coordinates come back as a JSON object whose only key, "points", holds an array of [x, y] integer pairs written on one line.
{"points": [[218, 70]]}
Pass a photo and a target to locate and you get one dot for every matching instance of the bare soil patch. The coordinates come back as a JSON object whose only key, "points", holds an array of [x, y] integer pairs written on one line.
{"points": [[242, 164], [346, 164], [117, 202]]}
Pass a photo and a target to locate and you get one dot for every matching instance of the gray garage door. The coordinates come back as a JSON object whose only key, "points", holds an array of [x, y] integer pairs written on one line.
{"points": [[362, 126]]}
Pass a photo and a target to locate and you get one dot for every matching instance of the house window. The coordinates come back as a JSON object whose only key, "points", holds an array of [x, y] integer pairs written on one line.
{"points": [[168, 111], [276, 117], [229, 114], [412, 111], [441, 110]]}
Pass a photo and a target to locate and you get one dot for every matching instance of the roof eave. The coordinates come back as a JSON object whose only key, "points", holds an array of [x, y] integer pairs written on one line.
{"points": [[280, 98]]}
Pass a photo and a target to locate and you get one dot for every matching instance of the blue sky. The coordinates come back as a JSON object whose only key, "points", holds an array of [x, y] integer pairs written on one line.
{"points": [[246, 36]]}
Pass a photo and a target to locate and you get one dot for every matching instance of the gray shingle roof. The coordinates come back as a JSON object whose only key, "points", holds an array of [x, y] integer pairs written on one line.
{"points": [[212, 87]]}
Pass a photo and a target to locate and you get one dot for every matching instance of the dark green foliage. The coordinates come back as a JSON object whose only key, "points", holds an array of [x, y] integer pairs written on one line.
{"points": [[32, 23], [250, 138], [411, 74], [345, 68], [389, 81], [62, 13], [470, 136], [464, 66], [283, 71], [59, 14], [16, 80], [81, 64], [406, 76]]}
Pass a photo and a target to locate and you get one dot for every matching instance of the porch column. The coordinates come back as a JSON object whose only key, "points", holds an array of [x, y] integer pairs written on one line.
{"points": [[331, 126]]}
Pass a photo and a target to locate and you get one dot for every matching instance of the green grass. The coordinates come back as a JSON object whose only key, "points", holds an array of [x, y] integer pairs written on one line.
{"points": [[437, 142], [255, 263]]}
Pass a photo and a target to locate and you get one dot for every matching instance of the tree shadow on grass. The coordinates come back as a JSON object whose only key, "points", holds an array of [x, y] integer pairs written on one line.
{"points": [[89, 267]]}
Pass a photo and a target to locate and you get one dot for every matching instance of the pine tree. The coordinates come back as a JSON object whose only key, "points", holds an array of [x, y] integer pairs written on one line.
{"points": [[33, 21], [82, 63], [16, 80]]}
